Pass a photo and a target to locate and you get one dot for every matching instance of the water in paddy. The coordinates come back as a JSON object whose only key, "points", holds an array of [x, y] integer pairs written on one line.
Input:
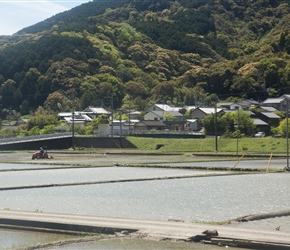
{"points": [[10, 239], [207, 198], [70, 175], [203, 199]]}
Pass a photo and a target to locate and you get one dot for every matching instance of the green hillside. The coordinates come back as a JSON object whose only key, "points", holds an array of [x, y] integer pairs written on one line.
{"points": [[181, 52]]}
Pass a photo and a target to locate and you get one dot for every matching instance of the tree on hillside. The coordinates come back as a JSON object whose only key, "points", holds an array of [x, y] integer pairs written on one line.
{"points": [[178, 52], [57, 102], [136, 89], [129, 103], [163, 91], [89, 93], [7, 91]]}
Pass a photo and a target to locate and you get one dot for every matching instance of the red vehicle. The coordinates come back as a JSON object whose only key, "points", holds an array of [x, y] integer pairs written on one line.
{"points": [[41, 154]]}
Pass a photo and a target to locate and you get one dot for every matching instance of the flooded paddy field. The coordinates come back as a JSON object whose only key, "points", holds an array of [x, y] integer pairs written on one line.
{"points": [[190, 195], [205, 199], [58, 174], [13, 239]]}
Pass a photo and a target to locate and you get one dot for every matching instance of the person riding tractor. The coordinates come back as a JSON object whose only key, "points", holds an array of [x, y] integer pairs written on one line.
{"points": [[41, 154]]}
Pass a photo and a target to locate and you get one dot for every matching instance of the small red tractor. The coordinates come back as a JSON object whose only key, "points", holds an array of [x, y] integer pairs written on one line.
{"points": [[41, 154]]}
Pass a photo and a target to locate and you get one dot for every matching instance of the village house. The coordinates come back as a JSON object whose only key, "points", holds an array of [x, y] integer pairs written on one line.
{"points": [[133, 114], [94, 112], [261, 126], [149, 125], [79, 118], [161, 115], [271, 118], [226, 105], [193, 125], [268, 109], [199, 112], [83, 116], [278, 103], [162, 107], [156, 117]]}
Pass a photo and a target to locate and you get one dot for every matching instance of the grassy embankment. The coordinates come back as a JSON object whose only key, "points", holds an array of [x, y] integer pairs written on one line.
{"points": [[266, 145]]}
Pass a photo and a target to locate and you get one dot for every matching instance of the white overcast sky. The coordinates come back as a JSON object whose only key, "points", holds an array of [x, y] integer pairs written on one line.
{"points": [[18, 14]]}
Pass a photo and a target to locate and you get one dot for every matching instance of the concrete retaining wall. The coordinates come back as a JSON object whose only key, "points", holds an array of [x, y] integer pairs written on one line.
{"points": [[65, 143], [57, 143]]}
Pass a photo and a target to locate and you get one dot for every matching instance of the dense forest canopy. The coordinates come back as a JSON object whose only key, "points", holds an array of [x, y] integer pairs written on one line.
{"points": [[182, 52]]}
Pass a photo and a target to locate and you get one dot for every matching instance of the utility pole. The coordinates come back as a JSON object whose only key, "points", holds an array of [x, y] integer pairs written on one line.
{"points": [[121, 123], [215, 128], [112, 107], [73, 124], [129, 119], [9, 117], [287, 134], [112, 113], [238, 131]]}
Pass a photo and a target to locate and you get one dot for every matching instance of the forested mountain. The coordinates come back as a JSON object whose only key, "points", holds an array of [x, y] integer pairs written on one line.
{"points": [[180, 52]]}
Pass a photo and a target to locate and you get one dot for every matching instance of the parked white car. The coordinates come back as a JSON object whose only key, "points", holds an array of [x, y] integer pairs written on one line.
{"points": [[260, 134]]}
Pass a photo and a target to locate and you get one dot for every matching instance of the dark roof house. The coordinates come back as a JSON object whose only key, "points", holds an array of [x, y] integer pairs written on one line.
{"points": [[161, 115], [149, 125], [94, 112], [199, 112], [278, 103], [271, 118]]}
